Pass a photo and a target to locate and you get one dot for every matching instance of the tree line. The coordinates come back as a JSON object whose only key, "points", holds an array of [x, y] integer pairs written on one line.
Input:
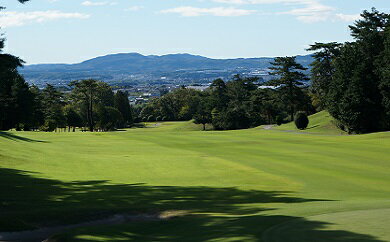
{"points": [[350, 80], [235, 104], [91, 105]]}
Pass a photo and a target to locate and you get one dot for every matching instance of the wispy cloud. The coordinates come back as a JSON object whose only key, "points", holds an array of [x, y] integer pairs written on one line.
{"points": [[94, 3], [187, 11], [348, 17], [133, 8], [11, 19], [307, 11]]}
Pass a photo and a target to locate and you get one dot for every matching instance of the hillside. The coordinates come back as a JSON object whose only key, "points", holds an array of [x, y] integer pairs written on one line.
{"points": [[134, 66], [321, 122]]}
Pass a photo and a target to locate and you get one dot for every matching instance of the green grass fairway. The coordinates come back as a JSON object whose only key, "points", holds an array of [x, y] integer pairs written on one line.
{"points": [[246, 185]]}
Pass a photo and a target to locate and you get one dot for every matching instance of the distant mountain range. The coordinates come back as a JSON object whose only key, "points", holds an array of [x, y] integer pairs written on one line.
{"points": [[137, 68]]}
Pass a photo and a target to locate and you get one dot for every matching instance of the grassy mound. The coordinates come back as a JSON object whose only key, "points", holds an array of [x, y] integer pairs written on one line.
{"points": [[233, 185], [321, 122]]}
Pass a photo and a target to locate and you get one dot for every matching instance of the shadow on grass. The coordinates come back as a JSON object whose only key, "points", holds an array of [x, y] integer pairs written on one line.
{"points": [[29, 202], [15, 137], [312, 127]]}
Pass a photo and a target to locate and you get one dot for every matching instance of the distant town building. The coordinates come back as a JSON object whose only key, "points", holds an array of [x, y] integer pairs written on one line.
{"points": [[199, 88]]}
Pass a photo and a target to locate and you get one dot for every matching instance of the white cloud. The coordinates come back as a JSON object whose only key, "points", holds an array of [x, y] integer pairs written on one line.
{"points": [[10, 19], [348, 17], [134, 8], [219, 11], [264, 1], [307, 11], [312, 11], [93, 3]]}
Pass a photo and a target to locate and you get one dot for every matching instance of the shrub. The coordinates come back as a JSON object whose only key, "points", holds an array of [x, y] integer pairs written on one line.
{"points": [[279, 120], [151, 119], [49, 126], [301, 120]]}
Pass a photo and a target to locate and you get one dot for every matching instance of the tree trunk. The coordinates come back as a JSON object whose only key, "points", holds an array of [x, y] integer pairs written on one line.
{"points": [[204, 127]]}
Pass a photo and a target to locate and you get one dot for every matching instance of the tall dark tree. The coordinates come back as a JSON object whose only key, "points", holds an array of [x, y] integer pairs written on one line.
{"points": [[219, 94], [72, 118], [14, 92], [323, 69], [108, 118], [52, 102], [36, 118], [203, 115], [85, 91], [289, 81], [383, 65], [121, 102], [357, 84]]}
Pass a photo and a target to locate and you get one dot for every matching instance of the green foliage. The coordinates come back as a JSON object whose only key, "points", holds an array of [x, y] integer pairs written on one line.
{"points": [[203, 115], [289, 81], [279, 120], [236, 104], [15, 98], [49, 126], [383, 65], [121, 102], [98, 105], [109, 118], [301, 120], [73, 119], [351, 78], [323, 70]]}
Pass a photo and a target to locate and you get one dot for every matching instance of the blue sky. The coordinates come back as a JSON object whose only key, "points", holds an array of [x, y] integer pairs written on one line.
{"points": [[69, 31]]}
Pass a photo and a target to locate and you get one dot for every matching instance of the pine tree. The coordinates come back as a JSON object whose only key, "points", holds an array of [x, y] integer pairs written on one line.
{"points": [[289, 81]]}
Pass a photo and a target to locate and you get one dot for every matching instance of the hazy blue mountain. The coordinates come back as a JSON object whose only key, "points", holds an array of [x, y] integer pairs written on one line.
{"points": [[134, 66]]}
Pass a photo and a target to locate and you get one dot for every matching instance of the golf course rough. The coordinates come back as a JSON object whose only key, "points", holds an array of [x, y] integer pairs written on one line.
{"points": [[244, 185]]}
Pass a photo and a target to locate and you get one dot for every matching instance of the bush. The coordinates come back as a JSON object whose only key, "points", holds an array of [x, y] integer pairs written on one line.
{"points": [[301, 120], [279, 120], [150, 119], [49, 126]]}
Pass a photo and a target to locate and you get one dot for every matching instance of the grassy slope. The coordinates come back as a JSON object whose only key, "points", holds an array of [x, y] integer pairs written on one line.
{"points": [[236, 185], [321, 123]]}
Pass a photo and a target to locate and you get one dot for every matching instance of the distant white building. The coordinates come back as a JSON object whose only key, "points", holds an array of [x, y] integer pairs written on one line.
{"points": [[199, 88], [267, 87]]}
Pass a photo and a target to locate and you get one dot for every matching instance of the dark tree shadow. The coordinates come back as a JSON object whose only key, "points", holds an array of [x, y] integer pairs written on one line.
{"points": [[312, 127], [29, 202], [15, 137]]}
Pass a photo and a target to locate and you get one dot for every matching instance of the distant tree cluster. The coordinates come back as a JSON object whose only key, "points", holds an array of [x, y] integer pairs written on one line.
{"points": [[90, 105], [352, 80], [236, 104]]}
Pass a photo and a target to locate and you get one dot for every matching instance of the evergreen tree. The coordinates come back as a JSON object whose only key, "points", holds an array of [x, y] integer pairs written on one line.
{"points": [[52, 105], [85, 93], [383, 65], [203, 114], [121, 102], [323, 69], [14, 92], [357, 88], [72, 118], [289, 81]]}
